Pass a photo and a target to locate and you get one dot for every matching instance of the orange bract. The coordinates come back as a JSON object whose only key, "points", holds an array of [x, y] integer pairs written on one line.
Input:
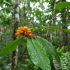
{"points": [[28, 32], [19, 28], [17, 34], [24, 30], [20, 31], [30, 35]]}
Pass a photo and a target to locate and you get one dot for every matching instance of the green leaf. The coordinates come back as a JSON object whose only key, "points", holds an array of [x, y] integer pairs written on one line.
{"points": [[50, 49], [47, 27], [38, 54], [60, 50], [11, 46], [62, 5], [34, 0], [67, 30]]}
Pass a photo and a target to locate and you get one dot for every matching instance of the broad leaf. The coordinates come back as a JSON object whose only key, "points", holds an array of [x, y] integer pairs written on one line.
{"points": [[38, 54], [62, 5], [50, 49], [11, 46]]}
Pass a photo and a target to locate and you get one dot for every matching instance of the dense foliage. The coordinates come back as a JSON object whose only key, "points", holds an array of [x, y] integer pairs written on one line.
{"points": [[49, 22]]}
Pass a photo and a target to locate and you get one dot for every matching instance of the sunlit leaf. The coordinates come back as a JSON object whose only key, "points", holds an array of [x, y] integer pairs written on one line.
{"points": [[60, 50]]}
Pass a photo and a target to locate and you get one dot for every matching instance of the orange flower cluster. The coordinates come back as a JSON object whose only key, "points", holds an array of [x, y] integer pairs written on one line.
{"points": [[25, 31]]}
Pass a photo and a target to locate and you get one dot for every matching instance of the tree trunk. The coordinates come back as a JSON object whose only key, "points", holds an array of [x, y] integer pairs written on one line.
{"points": [[64, 26], [16, 21], [53, 3], [56, 65]]}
